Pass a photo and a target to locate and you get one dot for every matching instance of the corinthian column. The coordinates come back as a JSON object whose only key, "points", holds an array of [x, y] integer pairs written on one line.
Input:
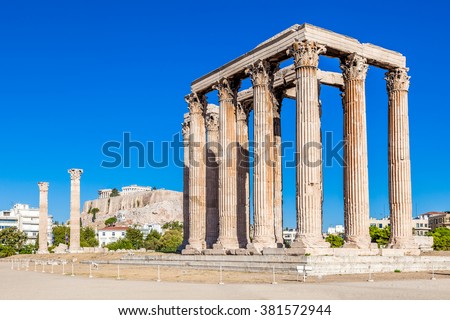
{"points": [[309, 146], [185, 132], [277, 170], [261, 74], [197, 172], [212, 175], [43, 217], [243, 172], [75, 175], [356, 181], [400, 200], [227, 90]]}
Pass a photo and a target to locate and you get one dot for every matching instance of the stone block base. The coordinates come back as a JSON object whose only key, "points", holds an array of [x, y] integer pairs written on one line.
{"points": [[274, 252], [353, 252]]}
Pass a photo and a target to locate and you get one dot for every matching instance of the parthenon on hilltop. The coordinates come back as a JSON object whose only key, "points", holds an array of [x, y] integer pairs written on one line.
{"points": [[216, 183]]}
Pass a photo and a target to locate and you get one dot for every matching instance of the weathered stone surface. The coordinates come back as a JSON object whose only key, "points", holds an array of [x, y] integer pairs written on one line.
{"points": [[148, 207], [356, 177], [43, 217], [75, 175]]}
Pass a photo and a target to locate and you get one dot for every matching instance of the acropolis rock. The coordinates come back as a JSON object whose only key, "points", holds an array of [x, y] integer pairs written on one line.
{"points": [[147, 207]]}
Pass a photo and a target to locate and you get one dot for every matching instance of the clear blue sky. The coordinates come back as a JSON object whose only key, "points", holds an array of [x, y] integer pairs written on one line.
{"points": [[76, 74]]}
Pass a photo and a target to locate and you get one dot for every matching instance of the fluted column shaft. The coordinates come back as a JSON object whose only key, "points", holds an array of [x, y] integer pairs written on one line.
{"points": [[43, 217], [227, 90], [261, 73], [212, 175], [356, 181], [75, 175], [185, 132], [309, 146], [400, 199], [277, 171], [197, 172], [243, 172]]}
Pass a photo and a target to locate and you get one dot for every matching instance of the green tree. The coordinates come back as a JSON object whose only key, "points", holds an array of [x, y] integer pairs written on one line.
{"points": [[13, 237], [120, 244], [173, 225], [94, 212], [152, 240], [380, 236], [110, 221], [61, 234], [335, 241], [170, 241], [114, 193], [88, 237], [136, 237], [441, 238]]}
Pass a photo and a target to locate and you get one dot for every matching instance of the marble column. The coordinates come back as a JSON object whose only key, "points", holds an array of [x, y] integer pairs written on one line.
{"points": [[356, 181], [243, 172], [185, 132], [227, 90], [261, 74], [400, 199], [43, 217], [197, 172], [309, 146], [277, 170], [212, 175], [75, 175]]}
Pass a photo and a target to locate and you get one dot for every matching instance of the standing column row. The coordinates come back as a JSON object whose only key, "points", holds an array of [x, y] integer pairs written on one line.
{"points": [[261, 74], [309, 146], [400, 200], [356, 184]]}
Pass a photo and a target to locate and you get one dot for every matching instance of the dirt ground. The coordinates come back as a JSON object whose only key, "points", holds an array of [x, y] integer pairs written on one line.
{"points": [[180, 274]]}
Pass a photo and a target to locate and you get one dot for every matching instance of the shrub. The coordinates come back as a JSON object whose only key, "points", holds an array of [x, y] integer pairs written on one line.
{"points": [[120, 244], [170, 241], [335, 241], [441, 238]]}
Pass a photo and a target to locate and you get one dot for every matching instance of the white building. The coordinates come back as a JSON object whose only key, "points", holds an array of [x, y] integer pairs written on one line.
{"points": [[134, 188], [337, 229], [289, 235], [147, 228], [26, 219], [110, 234]]}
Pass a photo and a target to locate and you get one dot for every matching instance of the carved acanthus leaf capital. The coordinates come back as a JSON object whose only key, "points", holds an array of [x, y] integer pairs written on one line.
{"points": [[262, 72], [277, 98], [306, 53], [354, 67], [242, 111], [43, 186], [185, 126], [397, 79], [196, 103], [227, 89], [212, 121], [75, 174]]}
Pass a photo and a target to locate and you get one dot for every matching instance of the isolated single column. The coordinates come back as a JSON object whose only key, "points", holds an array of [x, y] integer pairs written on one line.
{"points": [[43, 217], [75, 175]]}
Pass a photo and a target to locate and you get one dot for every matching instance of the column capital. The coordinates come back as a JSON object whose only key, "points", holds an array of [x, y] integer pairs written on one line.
{"points": [[306, 53], [196, 103], [43, 186], [212, 120], [397, 79], [227, 89], [261, 72], [354, 67], [185, 126], [242, 111], [75, 174], [277, 98]]}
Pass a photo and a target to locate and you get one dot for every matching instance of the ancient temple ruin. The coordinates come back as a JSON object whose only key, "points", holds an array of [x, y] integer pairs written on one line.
{"points": [[216, 183]]}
